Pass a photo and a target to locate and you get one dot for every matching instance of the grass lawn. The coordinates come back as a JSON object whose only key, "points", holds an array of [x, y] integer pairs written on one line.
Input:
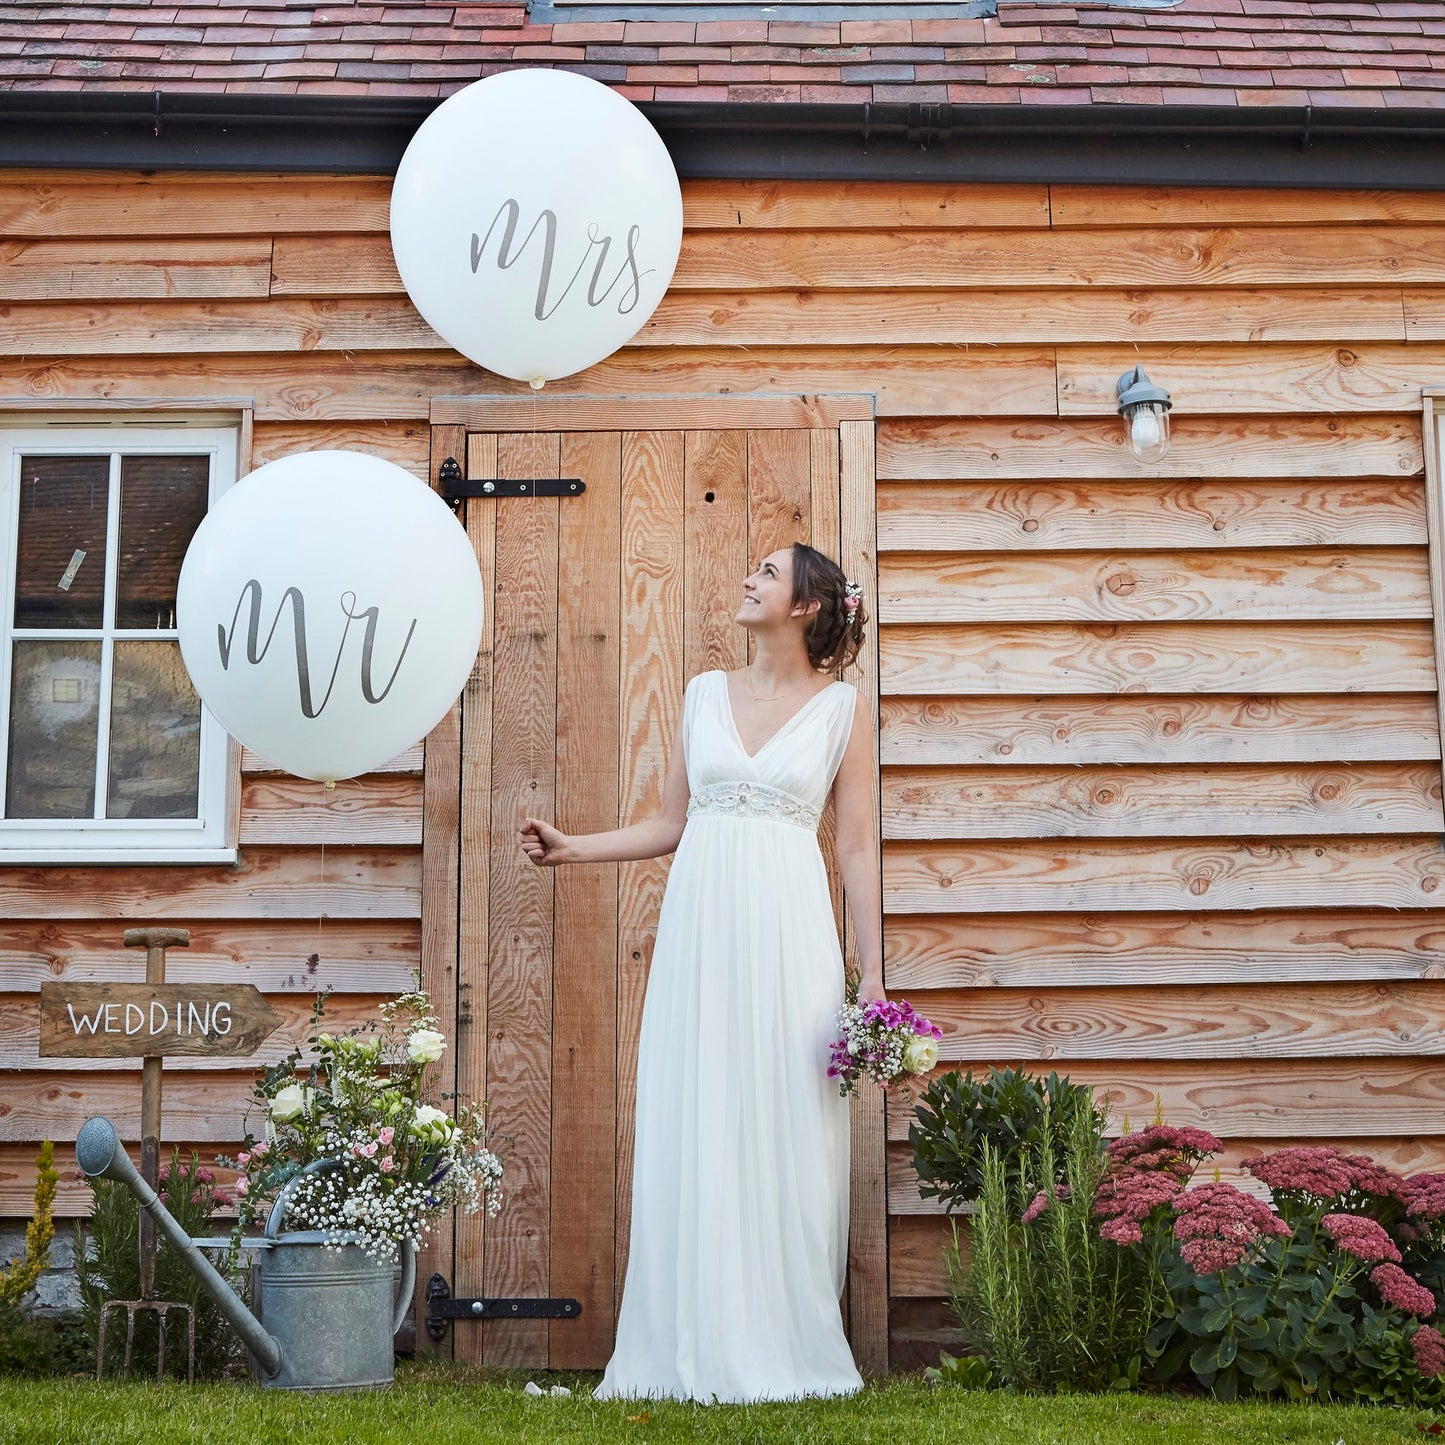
{"points": [[437, 1406]]}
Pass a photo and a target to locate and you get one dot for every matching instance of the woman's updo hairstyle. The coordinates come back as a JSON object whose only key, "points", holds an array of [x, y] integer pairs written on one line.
{"points": [[835, 634]]}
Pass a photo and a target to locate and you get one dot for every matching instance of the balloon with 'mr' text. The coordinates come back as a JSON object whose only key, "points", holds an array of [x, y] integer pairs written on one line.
{"points": [[536, 220], [329, 610]]}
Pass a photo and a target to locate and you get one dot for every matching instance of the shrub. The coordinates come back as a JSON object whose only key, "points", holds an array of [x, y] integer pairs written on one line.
{"points": [[1306, 1299], [108, 1268], [1011, 1112], [1052, 1304], [28, 1347]]}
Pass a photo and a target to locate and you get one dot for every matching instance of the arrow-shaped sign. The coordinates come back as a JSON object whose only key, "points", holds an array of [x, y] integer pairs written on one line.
{"points": [[136, 1020]]}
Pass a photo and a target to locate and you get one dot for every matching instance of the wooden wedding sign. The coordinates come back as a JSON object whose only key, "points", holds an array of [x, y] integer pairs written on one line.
{"points": [[133, 1020]]}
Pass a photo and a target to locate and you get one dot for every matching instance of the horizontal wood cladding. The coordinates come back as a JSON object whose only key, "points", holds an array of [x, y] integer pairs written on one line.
{"points": [[1103, 950], [962, 449], [1336, 1099], [1117, 875], [265, 882], [1064, 515], [1113, 658], [1241, 585], [1119, 800], [372, 955], [1175, 729]]}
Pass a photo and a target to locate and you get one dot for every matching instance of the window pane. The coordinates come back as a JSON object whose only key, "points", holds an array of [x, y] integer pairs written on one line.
{"points": [[155, 734], [54, 704], [60, 574], [162, 501]]}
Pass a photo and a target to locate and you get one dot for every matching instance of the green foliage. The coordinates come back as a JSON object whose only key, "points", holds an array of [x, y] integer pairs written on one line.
{"points": [[1292, 1319], [27, 1346], [1053, 1305], [108, 1268], [966, 1372], [1007, 1110], [21, 1276]]}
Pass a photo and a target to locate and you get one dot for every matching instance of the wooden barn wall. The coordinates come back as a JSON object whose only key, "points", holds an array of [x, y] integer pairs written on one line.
{"points": [[1161, 781]]}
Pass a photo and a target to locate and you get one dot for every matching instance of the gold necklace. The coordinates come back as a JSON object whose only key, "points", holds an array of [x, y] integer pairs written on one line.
{"points": [[777, 696]]}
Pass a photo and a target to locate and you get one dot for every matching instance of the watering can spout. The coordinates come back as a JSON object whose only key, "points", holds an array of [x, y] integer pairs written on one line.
{"points": [[98, 1152]]}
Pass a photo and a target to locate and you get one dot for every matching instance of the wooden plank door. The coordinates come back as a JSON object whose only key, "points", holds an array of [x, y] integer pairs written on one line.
{"points": [[601, 607]]}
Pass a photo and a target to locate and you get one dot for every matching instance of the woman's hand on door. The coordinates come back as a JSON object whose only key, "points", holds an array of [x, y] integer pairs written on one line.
{"points": [[545, 845]]}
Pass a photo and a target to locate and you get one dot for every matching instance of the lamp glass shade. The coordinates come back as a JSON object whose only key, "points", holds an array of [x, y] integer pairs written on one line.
{"points": [[1148, 424]]}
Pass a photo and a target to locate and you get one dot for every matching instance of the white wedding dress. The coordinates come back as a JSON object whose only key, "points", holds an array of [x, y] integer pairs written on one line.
{"points": [[740, 1179]]}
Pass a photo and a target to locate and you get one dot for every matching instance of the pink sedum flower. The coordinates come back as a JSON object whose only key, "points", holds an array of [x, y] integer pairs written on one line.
{"points": [[1424, 1196], [1399, 1289], [1217, 1225], [1428, 1347], [1361, 1236]]}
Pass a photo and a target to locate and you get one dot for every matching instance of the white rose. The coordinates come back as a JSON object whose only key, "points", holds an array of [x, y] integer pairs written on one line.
{"points": [[425, 1046], [920, 1055], [431, 1123], [288, 1103]]}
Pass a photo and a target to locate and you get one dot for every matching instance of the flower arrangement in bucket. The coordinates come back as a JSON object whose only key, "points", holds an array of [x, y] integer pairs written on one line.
{"points": [[882, 1040], [395, 1161]]}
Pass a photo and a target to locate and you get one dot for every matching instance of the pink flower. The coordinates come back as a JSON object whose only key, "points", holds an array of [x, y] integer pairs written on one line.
{"points": [[1163, 1146], [1218, 1224], [386, 1135], [387, 1164], [1428, 1347], [1424, 1194], [1321, 1172], [1397, 1288], [1368, 1177], [1041, 1202], [242, 1159], [241, 1185], [1121, 1231], [1361, 1236], [369, 1149]]}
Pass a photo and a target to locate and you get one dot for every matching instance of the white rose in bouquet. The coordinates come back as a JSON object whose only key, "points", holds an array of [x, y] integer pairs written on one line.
{"points": [[432, 1123], [920, 1055], [425, 1046], [287, 1103]]}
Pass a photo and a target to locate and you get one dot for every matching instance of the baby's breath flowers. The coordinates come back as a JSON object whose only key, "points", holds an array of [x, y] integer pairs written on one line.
{"points": [[882, 1041], [393, 1162]]}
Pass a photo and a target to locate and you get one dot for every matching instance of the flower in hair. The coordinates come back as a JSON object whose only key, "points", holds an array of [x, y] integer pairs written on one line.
{"points": [[852, 595]]}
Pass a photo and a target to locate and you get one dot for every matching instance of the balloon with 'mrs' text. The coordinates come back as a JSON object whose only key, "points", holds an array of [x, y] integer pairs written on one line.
{"points": [[536, 220], [329, 611]]}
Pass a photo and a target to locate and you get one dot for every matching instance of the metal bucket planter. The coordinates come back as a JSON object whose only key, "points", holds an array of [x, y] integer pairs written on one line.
{"points": [[327, 1314]]}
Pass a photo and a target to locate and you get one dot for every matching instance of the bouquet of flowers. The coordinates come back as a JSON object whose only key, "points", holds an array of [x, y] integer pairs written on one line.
{"points": [[882, 1041], [395, 1162]]}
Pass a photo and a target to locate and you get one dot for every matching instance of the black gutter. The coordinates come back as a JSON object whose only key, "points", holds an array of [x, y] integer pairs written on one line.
{"points": [[1111, 144]]}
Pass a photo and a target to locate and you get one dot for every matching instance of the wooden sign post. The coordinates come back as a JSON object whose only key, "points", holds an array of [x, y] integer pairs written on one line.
{"points": [[147, 1021]]}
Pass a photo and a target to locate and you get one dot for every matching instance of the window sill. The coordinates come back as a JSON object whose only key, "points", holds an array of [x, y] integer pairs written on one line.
{"points": [[84, 855]]}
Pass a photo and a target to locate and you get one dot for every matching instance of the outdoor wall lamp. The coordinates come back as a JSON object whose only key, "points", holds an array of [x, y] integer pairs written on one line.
{"points": [[1145, 409]]}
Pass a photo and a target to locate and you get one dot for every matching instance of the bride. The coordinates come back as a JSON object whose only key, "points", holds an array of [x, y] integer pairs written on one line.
{"points": [[740, 1176]]}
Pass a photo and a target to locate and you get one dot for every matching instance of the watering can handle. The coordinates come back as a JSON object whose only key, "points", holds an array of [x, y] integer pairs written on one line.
{"points": [[408, 1250]]}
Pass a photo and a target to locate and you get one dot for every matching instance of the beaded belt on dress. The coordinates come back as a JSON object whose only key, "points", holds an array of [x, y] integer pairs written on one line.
{"points": [[754, 800]]}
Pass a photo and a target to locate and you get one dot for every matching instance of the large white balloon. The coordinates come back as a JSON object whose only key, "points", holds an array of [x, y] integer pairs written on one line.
{"points": [[536, 220], [329, 610]]}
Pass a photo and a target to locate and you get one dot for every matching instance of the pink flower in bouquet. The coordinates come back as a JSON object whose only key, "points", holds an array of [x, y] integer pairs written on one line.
{"points": [[1399, 1289], [385, 1135], [1428, 1347], [1361, 1236], [1217, 1225], [881, 1040], [241, 1185], [387, 1164]]}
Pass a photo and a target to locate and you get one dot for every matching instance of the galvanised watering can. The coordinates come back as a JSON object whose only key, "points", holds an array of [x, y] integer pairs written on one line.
{"points": [[327, 1313]]}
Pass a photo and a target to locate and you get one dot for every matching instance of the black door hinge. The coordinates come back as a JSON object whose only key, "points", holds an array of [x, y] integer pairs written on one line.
{"points": [[442, 1308]]}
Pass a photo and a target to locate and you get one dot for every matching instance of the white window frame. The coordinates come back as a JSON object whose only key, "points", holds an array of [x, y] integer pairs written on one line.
{"points": [[211, 836]]}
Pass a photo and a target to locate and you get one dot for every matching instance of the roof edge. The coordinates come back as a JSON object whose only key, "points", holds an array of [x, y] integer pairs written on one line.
{"points": [[1114, 144]]}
